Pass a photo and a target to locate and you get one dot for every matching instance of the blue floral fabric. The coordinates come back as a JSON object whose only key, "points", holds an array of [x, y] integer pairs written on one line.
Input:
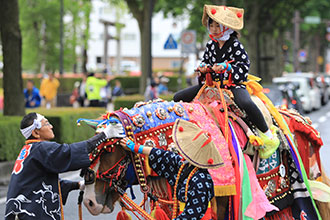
{"points": [[200, 190]]}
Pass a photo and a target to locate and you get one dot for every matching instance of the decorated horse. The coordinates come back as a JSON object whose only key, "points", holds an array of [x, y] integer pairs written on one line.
{"points": [[246, 187]]}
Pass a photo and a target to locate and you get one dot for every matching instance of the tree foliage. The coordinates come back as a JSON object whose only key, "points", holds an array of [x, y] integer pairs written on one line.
{"points": [[40, 23]]}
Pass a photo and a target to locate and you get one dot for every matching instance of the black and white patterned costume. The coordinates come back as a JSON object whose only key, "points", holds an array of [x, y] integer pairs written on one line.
{"points": [[200, 191], [33, 191], [231, 50]]}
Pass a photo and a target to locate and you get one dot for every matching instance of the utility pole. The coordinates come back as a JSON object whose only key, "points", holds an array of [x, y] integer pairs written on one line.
{"points": [[106, 38], [296, 42]]}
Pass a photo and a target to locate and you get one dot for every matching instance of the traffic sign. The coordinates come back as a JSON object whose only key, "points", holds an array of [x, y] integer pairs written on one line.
{"points": [[170, 43], [188, 41], [312, 20], [302, 56]]}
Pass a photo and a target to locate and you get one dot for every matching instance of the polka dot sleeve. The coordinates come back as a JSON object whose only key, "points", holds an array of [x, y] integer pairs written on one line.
{"points": [[165, 164], [241, 64]]}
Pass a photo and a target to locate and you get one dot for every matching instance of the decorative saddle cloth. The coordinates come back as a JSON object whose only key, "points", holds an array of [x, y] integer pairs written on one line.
{"points": [[153, 124]]}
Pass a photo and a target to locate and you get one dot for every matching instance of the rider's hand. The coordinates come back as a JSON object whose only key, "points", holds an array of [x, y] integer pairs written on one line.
{"points": [[202, 67], [114, 130], [220, 67], [217, 68]]}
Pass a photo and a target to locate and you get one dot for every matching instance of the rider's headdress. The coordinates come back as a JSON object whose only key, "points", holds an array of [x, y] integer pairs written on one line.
{"points": [[230, 17], [196, 145]]}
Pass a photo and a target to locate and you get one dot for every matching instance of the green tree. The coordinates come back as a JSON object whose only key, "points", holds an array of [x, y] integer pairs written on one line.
{"points": [[12, 52], [40, 22], [142, 11], [265, 26]]}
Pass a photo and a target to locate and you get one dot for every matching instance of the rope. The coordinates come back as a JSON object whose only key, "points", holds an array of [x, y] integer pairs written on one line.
{"points": [[61, 201], [167, 202], [80, 198], [224, 105], [187, 184], [175, 199], [136, 207]]}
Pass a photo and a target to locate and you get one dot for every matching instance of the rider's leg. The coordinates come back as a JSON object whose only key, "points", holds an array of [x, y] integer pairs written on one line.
{"points": [[187, 95], [244, 101]]}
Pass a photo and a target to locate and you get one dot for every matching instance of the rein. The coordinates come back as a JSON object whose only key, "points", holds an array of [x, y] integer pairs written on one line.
{"points": [[116, 173]]}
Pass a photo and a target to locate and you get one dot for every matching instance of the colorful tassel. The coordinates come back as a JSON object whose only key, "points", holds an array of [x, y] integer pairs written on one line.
{"points": [[123, 215], [158, 213]]}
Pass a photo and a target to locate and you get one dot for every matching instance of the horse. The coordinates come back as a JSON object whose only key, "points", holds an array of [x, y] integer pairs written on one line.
{"points": [[113, 169]]}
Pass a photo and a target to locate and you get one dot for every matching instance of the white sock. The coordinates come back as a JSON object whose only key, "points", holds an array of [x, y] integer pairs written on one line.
{"points": [[269, 133]]}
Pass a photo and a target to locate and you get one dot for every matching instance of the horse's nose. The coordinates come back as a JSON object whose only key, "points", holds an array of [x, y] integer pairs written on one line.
{"points": [[91, 203]]}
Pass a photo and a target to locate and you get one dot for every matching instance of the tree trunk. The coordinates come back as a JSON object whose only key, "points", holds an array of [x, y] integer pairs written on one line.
{"points": [[145, 33], [252, 41], [12, 55]]}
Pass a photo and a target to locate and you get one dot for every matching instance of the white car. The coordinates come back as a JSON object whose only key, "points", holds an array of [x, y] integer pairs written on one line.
{"points": [[307, 91]]}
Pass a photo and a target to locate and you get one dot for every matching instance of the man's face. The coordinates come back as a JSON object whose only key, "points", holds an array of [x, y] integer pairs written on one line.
{"points": [[46, 131], [29, 86]]}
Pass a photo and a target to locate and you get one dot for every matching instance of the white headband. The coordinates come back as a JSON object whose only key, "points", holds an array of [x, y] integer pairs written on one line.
{"points": [[27, 132]]}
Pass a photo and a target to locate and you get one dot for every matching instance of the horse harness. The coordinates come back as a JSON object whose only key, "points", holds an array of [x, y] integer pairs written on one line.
{"points": [[115, 176]]}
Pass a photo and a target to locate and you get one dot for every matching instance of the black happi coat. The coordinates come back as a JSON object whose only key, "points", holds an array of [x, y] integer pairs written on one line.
{"points": [[231, 50], [200, 190], [33, 191]]}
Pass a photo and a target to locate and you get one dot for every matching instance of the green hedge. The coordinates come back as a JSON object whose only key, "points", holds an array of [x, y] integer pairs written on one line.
{"points": [[64, 127], [128, 101], [130, 84]]}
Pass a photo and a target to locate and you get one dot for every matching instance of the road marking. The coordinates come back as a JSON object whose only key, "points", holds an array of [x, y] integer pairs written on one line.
{"points": [[3, 200], [328, 114], [315, 125], [322, 119]]}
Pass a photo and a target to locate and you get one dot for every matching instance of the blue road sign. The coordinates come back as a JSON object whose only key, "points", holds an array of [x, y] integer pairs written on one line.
{"points": [[170, 43]]}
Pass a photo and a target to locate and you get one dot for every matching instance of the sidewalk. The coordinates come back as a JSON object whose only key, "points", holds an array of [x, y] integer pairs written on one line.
{"points": [[5, 171]]}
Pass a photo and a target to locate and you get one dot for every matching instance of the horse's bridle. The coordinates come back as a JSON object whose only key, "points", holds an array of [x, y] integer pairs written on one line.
{"points": [[115, 176]]}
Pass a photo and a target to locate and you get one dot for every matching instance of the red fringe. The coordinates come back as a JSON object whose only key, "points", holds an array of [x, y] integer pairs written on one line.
{"points": [[123, 215], [281, 215]]}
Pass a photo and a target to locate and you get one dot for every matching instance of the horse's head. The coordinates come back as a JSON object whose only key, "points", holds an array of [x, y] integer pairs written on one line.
{"points": [[105, 177]]}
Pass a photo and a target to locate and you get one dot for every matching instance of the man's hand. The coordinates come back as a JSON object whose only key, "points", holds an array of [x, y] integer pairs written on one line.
{"points": [[114, 130]]}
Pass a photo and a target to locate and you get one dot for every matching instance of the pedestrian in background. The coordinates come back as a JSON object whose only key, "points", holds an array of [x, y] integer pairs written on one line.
{"points": [[151, 92], [117, 89], [48, 90], [31, 95], [162, 87], [93, 90]]}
